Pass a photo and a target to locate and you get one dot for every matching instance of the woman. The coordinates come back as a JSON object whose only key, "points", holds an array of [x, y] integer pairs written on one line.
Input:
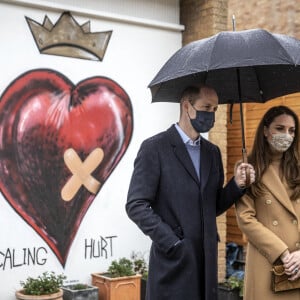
{"points": [[269, 213]]}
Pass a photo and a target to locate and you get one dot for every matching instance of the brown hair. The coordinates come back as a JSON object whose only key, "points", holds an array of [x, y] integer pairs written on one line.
{"points": [[191, 94], [261, 155]]}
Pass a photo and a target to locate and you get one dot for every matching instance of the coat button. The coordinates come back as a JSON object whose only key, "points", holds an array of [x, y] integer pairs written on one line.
{"points": [[275, 223], [295, 222], [268, 201]]}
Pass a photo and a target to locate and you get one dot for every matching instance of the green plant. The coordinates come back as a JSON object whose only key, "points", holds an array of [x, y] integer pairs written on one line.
{"points": [[128, 267], [120, 268], [139, 264], [234, 282], [47, 283], [79, 286]]}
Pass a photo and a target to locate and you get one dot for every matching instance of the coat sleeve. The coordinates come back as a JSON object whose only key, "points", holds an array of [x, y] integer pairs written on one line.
{"points": [[142, 191], [263, 239], [229, 194]]}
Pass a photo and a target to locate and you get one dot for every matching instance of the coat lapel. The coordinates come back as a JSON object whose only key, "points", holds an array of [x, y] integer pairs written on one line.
{"points": [[276, 187], [205, 162], [181, 152]]}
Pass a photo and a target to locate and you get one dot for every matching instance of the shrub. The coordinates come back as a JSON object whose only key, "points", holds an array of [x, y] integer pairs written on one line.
{"points": [[47, 283], [235, 282], [79, 286], [122, 267], [139, 264]]}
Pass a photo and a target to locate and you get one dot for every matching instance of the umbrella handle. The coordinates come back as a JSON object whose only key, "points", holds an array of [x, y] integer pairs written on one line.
{"points": [[245, 160]]}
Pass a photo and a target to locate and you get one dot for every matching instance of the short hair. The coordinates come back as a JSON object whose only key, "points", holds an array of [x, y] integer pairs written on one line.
{"points": [[191, 93]]}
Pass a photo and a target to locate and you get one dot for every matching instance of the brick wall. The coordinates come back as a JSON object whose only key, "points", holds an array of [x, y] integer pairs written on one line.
{"points": [[203, 18], [276, 15]]}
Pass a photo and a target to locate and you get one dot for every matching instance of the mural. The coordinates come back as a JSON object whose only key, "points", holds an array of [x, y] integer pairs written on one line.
{"points": [[68, 38], [59, 142]]}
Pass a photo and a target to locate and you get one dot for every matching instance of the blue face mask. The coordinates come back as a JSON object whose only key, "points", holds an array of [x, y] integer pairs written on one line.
{"points": [[204, 120]]}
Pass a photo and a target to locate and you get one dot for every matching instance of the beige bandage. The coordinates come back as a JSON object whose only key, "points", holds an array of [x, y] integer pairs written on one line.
{"points": [[81, 172]]}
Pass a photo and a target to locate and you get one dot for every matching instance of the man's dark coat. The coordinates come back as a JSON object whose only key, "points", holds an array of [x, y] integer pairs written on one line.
{"points": [[167, 202]]}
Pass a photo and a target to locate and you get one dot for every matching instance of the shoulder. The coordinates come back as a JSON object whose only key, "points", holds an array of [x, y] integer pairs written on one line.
{"points": [[152, 145], [155, 139], [160, 138], [209, 145]]}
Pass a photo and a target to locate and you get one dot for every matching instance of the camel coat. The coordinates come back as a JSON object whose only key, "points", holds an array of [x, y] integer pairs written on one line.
{"points": [[272, 225]]}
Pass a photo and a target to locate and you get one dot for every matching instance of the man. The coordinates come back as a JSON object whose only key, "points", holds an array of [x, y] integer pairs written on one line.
{"points": [[175, 194]]}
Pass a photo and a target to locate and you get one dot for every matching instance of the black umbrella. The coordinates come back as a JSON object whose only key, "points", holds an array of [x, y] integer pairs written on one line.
{"points": [[242, 66]]}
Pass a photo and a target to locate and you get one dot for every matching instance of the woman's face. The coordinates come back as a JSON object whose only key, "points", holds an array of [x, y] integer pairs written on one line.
{"points": [[280, 132]]}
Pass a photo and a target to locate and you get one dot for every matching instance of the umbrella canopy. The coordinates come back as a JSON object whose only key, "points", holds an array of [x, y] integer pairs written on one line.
{"points": [[242, 66]]}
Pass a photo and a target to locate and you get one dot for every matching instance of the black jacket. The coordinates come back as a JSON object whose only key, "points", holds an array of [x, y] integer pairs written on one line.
{"points": [[168, 203]]}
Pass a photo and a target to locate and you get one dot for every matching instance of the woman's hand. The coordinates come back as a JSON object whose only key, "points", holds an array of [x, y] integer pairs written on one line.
{"points": [[292, 265]]}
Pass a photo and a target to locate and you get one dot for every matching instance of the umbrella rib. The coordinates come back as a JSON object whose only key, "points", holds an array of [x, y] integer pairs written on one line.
{"points": [[259, 86], [217, 36]]}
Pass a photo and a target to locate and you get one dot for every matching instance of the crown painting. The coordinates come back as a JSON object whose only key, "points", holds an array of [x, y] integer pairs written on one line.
{"points": [[67, 38]]}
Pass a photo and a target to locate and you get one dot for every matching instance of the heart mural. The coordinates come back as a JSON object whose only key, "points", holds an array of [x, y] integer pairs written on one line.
{"points": [[42, 114]]}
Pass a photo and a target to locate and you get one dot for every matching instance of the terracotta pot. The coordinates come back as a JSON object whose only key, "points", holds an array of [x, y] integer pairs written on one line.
{"points": [[116, 288], [55, 296]]}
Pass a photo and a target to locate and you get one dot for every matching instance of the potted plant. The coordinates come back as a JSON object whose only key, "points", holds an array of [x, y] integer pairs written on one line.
{"points": [[140, 267], [120, 279], [80, 291], [231, 289], [44, 287]]}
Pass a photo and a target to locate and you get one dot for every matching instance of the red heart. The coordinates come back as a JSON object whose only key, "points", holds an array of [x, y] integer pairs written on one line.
{"points": [[41, 115]]}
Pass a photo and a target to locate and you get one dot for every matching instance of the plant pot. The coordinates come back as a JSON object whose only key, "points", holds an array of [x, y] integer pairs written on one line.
{"points": [[225, 293], [88, 293], [128, 287], [56, 296]]}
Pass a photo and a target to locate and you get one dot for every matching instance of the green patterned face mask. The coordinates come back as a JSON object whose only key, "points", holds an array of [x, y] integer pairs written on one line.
{"points": [[281, 141]]}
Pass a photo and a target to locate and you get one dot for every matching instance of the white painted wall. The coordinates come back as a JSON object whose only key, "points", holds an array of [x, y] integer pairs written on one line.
{"points": [[137, 50]]}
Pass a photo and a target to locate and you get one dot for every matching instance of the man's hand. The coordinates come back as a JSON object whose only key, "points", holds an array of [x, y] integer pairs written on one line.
{"points": [[240, 172]]}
